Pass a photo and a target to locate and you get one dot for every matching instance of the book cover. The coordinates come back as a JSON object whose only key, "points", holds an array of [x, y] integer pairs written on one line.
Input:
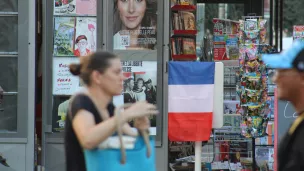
{"points": [[188, 19], [64, 30], [188, 46], [186, 2], [85, 37]]}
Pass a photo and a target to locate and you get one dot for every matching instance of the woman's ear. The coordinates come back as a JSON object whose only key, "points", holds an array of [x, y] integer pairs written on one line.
{"points": [[96, 77]]}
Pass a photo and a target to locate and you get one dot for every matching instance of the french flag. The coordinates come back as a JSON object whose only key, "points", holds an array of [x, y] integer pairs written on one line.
{"points": [[190, 100]]}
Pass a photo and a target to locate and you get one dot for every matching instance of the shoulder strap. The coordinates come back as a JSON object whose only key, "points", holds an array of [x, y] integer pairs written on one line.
{"points": [[143, 133]]}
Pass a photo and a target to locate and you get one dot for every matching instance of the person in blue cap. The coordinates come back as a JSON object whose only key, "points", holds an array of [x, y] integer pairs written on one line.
{"points": [[289, 78]]}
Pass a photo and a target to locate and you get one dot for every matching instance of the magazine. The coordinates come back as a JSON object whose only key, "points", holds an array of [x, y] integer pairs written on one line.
{"points": [[188, 46]]}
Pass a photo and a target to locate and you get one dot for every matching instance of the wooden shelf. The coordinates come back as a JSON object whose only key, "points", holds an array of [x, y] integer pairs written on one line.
{"points": [[184, 32], [184, 57], [183, 7]]}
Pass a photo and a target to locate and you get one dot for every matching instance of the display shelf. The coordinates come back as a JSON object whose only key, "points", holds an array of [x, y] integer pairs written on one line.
{"points": [[183, 7], [184, 57], [184, 32]]}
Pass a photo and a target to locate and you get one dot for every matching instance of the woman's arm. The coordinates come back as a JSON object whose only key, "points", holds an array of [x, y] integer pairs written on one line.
{"points": [[127, 129], [91, 135]]}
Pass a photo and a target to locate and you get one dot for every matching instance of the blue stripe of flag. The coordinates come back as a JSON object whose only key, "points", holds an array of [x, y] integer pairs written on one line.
{"points": [[191, 73]]}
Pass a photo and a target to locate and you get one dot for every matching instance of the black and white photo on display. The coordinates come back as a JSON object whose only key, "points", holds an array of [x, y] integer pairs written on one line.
{"points": [[140, 84], [140, 87]]}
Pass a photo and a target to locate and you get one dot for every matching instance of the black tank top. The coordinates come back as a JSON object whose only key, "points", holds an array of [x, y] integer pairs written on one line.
{"points": [[74, 152]]}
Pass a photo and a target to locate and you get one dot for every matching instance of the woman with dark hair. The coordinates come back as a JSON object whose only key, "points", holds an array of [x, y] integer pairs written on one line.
{"points": [[129, 95], [140, 90], [91, 119], [135, 24]]}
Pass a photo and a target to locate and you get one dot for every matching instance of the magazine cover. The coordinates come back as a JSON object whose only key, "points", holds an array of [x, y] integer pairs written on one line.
{"points": [[189, 20], [189, 46], [64, 7], [64, 30], [232, 49], [231, 106], [135, 25], [85, 37], [140, 84], [86, 7], [64, 83]]}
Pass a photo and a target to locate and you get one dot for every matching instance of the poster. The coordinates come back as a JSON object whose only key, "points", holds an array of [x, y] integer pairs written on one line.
{"points": [[74, 36], [75, 7], [86, 7], [140, 84], [85, 36], [60, 109], [64, 7], [64, 30], [64, 83], [135, 24]]}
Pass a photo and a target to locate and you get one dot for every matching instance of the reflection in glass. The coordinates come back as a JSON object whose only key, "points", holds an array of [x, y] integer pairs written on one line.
{"points": [[8, 34], [206, 12], [8, 74], [292, 15], [60, 108], [9, 5], [205, 15], [135, 24], [8, 114]]}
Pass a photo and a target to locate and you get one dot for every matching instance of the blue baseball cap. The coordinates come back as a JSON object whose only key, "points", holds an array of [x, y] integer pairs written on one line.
{"points": [[288, 59]]}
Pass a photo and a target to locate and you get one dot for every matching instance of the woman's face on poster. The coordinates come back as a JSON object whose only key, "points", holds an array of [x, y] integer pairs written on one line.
{"points": [[149, 85], [131, 12], [140, 84]]}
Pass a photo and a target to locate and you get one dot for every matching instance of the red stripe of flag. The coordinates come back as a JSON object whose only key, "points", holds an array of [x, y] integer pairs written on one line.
{"points": [[182, 126]]}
